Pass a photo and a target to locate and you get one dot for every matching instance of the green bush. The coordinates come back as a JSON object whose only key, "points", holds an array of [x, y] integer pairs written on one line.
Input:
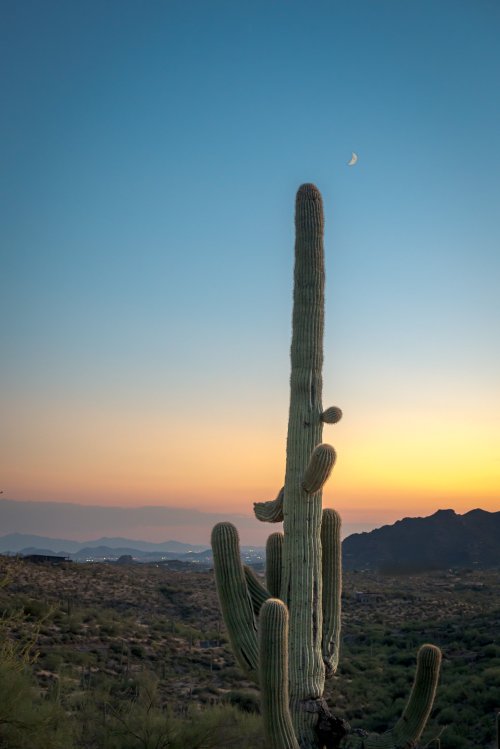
{"points": [[28, 720], [248, 701]]}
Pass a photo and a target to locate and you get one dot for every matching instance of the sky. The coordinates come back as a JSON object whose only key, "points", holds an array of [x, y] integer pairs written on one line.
{"points": [[150, 154]]}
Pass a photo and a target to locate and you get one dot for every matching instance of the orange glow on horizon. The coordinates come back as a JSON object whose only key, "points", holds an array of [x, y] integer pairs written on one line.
{"points": [[391, 463]]}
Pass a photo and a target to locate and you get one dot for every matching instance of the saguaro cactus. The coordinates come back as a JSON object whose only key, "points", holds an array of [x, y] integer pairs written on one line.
{"points": [[286, 636]]}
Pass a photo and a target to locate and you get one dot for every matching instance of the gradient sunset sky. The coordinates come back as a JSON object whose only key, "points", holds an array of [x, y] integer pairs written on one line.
{"points": [[151, 152]]}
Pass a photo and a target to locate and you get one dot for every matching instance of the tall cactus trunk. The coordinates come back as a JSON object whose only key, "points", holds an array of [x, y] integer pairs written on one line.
{"points": [[301, 583], [291, 644]]}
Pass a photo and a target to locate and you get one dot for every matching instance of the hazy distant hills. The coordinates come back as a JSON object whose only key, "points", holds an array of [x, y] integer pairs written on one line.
{"points": [[16, 542], [439, 541], [66, 519], [113, 548], [102, 548]]}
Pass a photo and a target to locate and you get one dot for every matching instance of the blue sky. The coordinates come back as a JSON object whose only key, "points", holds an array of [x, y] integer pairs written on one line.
{"points": [[150, 155]]}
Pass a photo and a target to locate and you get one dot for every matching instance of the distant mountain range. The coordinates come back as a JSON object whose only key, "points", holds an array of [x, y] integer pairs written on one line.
{"points": [[123, 523], [16, 542], [439, 541], [111, 549]]}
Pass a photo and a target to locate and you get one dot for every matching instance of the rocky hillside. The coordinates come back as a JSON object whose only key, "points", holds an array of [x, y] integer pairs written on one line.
{"points": [[441, 541]]}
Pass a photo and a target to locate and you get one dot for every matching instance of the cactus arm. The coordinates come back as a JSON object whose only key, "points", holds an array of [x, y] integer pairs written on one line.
{"points": [[258, 593], [272, 511], [332, 589], [416, 713], [274, 561], [235, 600], [273, 646], [319, 468], [410, 726]]}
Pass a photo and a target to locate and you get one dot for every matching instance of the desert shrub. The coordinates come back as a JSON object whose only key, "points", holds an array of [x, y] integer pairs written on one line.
{"points": [[492, 651], [28, 720], [245, 699], [110, 629], [230, 673], [170, 591], [217, 727], [452, 739], [35, 610], [492, 676], [52, 661], [447, 716], [137, 718]]}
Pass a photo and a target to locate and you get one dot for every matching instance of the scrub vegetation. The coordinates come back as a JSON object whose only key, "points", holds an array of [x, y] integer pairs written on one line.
{"points": [[98, 656]]}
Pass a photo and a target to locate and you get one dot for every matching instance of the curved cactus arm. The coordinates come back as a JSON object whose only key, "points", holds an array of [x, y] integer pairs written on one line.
{"points": [[273, 645], [272, 511], [332, 589], [234, 597], [410, 726], [416, 713], [331, 415], [274, 562], [258, 593], [319, 469]]}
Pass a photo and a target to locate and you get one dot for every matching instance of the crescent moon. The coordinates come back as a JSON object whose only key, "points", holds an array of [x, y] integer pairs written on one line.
{"points": [[353, 160]]}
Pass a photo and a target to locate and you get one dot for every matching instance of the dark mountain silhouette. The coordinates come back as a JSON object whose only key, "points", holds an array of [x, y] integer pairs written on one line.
{"points": [[439, 541]]}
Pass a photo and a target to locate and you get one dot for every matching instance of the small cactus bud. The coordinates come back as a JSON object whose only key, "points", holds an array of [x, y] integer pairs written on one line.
{"points": [[331, 415], [320, 466]]}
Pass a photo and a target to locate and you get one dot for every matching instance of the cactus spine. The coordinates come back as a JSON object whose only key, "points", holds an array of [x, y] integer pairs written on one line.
{"points": [[287, 636]]}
